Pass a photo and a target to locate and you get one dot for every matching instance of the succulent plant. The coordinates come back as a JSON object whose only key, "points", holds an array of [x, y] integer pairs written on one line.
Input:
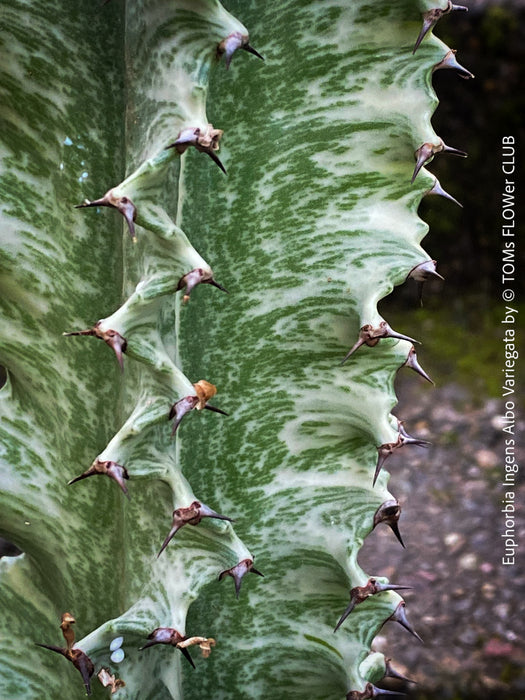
{"points": [[107, 110]]}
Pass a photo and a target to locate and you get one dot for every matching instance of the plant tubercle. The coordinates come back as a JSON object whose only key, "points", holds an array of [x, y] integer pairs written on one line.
{"points": [[129, 129]]}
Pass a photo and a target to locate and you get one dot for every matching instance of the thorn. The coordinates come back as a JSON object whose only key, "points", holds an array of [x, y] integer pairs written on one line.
{"points": [[122, 203], [197, 276], [437, 189], [191, 515], [80, 661], [112, 338], [399, 615], [390, 672], [215, 158], [368, 335], [238, 571], [450, 61], [115, 471], [424, 271], [407, 439], [231, 43], [454, 151], [180, 409], [423, 155], [216, 410], [205, 142], [389, 512], [361, 593], [168, 635], [412, 363], [204, 391], [421, 273], [384, 452], [427, 151], [431, 17], [251, 50], [187, 656], [369, 692]]}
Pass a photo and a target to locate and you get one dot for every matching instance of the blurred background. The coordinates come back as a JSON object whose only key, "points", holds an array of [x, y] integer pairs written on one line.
{"points": [[468, 608]]}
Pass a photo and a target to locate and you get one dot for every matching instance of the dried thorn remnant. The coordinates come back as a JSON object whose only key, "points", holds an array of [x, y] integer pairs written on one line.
{"points": [[450, 61], [361, 593], [399, 615], [112, 338], [413, 363], [121, 203], [191, 515], [168, 635], [67, 631], [231, 43], [205, 142], [238, 571], [431, 17], [204, 643], [391, 672], [427, 151], [78, 658], [204, 391], [368, 335], [194, 277], [109, 680], [437, 189], [115, 471], [389, 512], [371, 691]]}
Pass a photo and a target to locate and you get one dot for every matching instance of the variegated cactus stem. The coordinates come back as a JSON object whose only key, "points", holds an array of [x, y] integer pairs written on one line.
{"points": [[314, 224]]}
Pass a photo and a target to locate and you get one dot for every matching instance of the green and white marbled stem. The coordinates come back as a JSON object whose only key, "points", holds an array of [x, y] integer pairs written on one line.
{"points": [[314, 225]]}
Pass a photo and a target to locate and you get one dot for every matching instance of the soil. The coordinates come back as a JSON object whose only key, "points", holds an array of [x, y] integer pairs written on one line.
{"points": [[466, 604]]}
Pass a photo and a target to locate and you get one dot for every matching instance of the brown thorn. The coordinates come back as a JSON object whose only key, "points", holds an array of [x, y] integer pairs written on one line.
{"points": [[216, 410], [190, 515], [390, 672], [112, 338], [121, 203], [251, 50], [370, 691], [431, 17], [423, 155], [115, 471], [424, 271], [368, 335], [180, 409], [389, 512], [206, 141], [399, 615], [215, 158], [231, 43], [194, 277], [437, 189], [413, 363], [238, 571], [80, 661], [454, 151], [168, 635], [450, 61]]}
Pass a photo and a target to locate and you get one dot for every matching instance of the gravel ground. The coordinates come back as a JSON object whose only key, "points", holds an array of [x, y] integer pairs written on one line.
{"points": [[466, 605]]}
